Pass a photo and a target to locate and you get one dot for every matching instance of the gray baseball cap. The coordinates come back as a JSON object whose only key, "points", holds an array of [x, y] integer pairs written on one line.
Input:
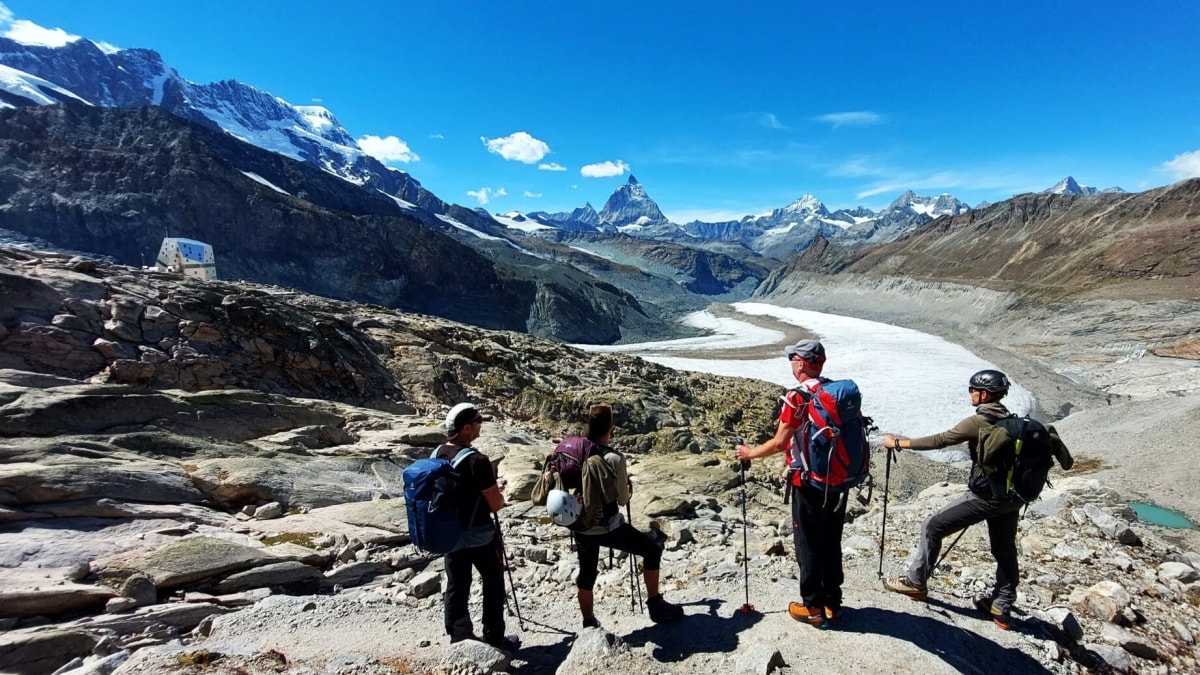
{"points": [[809, 350]]}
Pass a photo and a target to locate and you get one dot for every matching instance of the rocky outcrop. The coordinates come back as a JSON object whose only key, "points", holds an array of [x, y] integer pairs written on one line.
{"points": [[151, 330]]}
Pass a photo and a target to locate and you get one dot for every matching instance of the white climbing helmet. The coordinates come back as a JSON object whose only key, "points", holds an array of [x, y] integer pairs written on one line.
{"points": [[564, 508]]}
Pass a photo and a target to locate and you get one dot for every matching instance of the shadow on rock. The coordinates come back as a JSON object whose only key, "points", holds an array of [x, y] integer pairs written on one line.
{"points": [[535, 660], [963, 650], [695, 634]]}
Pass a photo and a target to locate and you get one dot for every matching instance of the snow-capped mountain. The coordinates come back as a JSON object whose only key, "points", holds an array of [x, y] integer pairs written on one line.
{"points": [[582, 219], [629, 207], [779, 233], [1069, 186], [137, 77], [906, 213], [20, 88]]}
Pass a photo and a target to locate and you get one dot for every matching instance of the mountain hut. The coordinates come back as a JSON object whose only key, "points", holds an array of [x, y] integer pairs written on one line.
{"points": [[188, 257]]}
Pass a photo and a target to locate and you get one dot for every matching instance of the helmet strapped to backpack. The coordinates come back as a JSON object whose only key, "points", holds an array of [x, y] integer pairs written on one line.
{"points": [[989, 380], [563, 507]]}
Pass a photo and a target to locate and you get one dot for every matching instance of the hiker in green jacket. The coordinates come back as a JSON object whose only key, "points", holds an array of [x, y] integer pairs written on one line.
{"points": [[1002, 514]]}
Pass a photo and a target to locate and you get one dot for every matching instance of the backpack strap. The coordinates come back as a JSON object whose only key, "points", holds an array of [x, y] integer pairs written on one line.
{"points": [[459, 459], [462, 455], [1018, 442]]}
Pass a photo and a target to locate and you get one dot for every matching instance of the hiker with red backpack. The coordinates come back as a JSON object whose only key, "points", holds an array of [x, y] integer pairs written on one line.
{"points": [[822, 432], [484, 552], [583, 485], [981, 503]]}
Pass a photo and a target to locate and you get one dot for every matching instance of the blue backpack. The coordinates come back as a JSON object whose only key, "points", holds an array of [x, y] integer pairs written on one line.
{"points": [[835, 437], [433, 498]]}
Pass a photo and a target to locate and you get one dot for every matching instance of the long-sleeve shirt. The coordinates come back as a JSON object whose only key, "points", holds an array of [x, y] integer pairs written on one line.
{"points": [[966, 431]]}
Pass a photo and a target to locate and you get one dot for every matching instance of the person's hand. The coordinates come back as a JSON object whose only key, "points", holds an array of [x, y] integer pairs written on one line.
{"points": [[743, 452], [890, 442]]}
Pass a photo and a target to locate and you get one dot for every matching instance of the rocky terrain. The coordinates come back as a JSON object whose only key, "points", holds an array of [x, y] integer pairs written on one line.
{"points": [[204, 477]]}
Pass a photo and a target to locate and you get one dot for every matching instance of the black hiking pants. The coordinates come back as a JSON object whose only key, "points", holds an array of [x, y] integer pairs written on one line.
{"points": [[1002, 516], [625, 538], [817, 522], [487, 560]]}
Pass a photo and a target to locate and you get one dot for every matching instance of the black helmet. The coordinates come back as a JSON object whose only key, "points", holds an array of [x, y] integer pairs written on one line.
{"points": [[993, 381]]}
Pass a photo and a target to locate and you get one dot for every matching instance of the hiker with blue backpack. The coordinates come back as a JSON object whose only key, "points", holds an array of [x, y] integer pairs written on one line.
{"points": [[1001, 482], [479, 545], [823, 435]]}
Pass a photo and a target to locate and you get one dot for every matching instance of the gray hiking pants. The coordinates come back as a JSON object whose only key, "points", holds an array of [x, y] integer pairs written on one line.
{"points": [[1002, 517]]}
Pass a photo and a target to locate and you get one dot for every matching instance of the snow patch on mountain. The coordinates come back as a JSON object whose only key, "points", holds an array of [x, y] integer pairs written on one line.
{"points": [[259, 179], [516, 221], [399, 202], [36, 90]]}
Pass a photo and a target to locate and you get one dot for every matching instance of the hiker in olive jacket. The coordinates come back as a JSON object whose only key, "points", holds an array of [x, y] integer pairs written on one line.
{"points": [[610, 528], [1002, 514]]}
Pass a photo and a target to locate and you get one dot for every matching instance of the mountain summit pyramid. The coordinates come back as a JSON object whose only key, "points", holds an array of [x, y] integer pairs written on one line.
{"points": [[630, 205]]}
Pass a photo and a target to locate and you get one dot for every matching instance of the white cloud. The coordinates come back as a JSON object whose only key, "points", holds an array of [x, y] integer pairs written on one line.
{"points": [[770, 121], [606, 169], [857, 166], [551, 166], [389, 149], [855, 118], [438, 137], [1184, 166], [27, 32], [520, 147], [484, 194], [533, 195]]}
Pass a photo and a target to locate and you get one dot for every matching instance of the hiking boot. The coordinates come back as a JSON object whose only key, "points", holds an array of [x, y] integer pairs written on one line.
{"points": [[903, 586], [504, 643], [813, 616], [833, 613], [1001, 618], [662, 611], [460, 638], [591, 623]]}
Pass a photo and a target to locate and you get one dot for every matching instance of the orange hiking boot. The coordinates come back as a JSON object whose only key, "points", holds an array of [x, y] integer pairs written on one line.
{"points": [[903, 586], [813, 616], [1001, 618], [833, 613]]}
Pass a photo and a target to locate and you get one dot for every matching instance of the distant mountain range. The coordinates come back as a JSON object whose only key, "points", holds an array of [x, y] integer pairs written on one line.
{"points": [[82, 71]]}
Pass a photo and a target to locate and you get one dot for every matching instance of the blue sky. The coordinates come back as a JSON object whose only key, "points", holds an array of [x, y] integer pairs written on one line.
{"points": [[720, 109]]}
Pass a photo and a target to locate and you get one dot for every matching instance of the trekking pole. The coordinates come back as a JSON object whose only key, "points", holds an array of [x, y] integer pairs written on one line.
{"points": [[948, 549], [635, 584], [746, 608], [512, 586], [887, 477]]}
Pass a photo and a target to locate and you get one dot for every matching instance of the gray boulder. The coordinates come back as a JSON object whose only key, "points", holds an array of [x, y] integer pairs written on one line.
{"points": [[180, 563], [272, 575], [37, 651]]}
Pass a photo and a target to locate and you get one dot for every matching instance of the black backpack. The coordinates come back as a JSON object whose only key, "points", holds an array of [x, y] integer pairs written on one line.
{"points": [[1017, 453]]}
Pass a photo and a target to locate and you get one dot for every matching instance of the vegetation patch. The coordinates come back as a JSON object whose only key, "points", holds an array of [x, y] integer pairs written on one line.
{"points": [[298, 538]]}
